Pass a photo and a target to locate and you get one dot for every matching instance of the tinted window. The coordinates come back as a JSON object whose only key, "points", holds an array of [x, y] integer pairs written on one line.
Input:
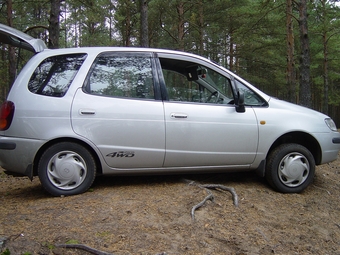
{"points": [[190, 82], [181, 89], [55, 74], [121, 76]]}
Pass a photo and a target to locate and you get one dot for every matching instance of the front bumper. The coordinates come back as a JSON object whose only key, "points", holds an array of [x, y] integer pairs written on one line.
{"points": [[336, 140], [330, 146]]}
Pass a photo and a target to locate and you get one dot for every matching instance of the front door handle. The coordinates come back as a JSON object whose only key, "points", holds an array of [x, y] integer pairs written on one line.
{"points": [[179, 115]]}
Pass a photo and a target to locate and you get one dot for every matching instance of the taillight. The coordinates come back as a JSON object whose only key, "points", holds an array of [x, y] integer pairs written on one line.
{"points": [[6, 115]]}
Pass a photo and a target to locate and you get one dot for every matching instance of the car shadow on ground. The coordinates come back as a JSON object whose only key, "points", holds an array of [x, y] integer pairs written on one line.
{"points": [[246, 178], [25, 189]]}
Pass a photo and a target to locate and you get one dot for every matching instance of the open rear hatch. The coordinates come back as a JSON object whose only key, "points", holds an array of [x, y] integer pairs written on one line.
{"points": [[14, 37]]}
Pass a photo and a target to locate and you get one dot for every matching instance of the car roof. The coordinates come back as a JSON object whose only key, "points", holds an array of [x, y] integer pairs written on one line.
{"points": [[14, 37]]}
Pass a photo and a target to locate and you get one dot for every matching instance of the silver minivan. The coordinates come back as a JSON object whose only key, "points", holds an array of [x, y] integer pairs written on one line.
{"points": [[76, 113]]}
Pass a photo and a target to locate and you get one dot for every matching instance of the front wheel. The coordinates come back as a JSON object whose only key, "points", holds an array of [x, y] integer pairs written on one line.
{"points": [[290, 168], [66, 168]]}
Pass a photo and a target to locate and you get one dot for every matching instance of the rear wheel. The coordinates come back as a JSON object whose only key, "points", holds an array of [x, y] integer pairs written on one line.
{"points": [[66, 168], [290, 168]]}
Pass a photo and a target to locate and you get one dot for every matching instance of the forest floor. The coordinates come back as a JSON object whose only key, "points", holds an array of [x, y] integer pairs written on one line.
{"points": [[152, 215]]}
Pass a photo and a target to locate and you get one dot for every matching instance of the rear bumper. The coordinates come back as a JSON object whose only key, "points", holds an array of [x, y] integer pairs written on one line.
{"points": [[17, 155], [7, 146]]}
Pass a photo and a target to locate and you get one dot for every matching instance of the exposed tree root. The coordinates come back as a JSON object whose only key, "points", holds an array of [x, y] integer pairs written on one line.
{"points": [[210, 194], [224, 188], [84, 248], [89, 249], [195, 207]]}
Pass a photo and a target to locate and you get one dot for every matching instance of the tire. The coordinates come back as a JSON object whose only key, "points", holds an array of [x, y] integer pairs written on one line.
{"points": [[290, 168], [66, 168]]}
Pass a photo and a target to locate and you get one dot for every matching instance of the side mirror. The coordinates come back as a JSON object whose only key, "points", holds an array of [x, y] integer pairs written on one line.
{"points": [[239, 106]]}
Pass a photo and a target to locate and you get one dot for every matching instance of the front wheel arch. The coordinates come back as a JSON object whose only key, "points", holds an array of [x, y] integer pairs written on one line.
{"points": [[303, 139], [290, 168]]}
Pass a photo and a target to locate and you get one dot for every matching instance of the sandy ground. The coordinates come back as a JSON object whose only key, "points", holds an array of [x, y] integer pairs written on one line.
{"points": [[151, 215]]}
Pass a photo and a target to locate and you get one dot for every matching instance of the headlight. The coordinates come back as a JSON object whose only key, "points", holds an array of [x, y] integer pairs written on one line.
{"points": [[330, 123]]}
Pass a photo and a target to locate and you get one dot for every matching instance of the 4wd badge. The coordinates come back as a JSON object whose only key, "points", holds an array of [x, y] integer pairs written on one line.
{"points": [[121, 154]]}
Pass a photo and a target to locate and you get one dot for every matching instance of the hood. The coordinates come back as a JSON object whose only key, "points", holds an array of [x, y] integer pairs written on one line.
{"points": [[14, 37], [298, 109]]}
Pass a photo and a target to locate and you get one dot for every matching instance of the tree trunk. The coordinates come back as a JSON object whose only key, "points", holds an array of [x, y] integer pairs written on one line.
{"points": [[111, 19], [144, 33], [305, 86], [291, 81], [325, 65], [325, 73], [54, 26], [180, 25], [231, 51], [201, 27], [127, 41]]}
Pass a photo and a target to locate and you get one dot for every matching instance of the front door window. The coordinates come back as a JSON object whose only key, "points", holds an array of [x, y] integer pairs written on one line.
{"points": [[191, 82]]}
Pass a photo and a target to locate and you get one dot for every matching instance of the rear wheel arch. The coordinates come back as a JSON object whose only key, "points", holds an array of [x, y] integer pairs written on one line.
{"points": [[60, 140]]}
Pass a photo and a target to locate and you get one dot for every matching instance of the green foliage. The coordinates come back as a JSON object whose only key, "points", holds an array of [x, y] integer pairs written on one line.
{"points": [[49, 246], [6, 252]]}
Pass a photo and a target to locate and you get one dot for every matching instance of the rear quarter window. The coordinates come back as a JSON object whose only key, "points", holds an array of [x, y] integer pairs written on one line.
{"points": [[55, 74]]}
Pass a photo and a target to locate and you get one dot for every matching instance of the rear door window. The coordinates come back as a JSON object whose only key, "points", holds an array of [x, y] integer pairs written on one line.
{"points": [[122, 75]]}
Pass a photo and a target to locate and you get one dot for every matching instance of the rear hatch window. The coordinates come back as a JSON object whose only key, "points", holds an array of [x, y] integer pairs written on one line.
{"points": [[55, 74]]}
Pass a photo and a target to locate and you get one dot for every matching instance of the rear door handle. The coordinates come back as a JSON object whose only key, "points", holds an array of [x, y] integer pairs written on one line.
{"points": [[87, 112], [179, 115]]}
